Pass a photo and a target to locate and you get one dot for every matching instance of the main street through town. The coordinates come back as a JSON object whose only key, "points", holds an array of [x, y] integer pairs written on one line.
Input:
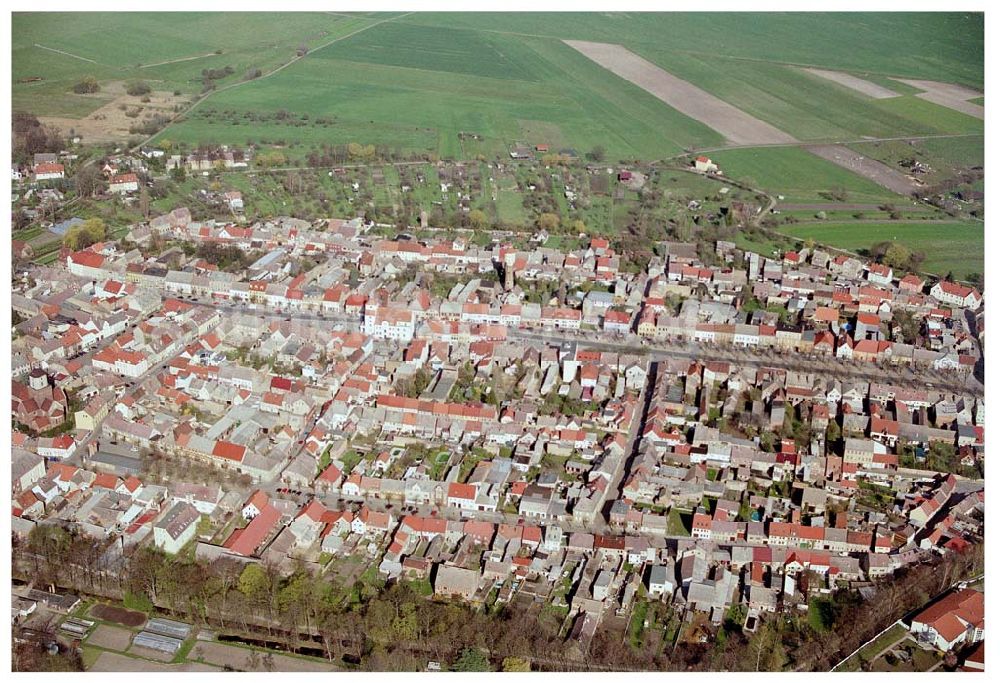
{"points": [[828, 367]]}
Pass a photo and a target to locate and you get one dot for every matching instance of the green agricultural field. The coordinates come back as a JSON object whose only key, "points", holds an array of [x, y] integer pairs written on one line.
{"points": [[951, 45], [169, 50], [797, 175], [807, 106], [413, 82], [949, 246], [420, 99]]}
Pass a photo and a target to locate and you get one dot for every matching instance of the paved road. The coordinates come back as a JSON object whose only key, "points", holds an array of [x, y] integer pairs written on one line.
{"points": [[262, 311], [753, 357], [632, 449], [830, 367]]}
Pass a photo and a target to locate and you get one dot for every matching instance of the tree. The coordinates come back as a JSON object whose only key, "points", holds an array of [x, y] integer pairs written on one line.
{"points": [[84, 234], [597, 154], [897, 256], [144, 202], [178, 174], [88, 181], [136, 88], [31, 137], [254, 581], [88, 84], [766, 649], [516, 664], [833, 433], [478, 219], [472, 659], [548, 221]]}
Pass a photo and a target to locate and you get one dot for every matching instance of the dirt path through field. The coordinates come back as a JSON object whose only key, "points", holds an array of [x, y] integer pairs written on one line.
{"points": [[174, 61], [68, 54], [875, 171], [841, 206], [948, 95], [734, 124]]}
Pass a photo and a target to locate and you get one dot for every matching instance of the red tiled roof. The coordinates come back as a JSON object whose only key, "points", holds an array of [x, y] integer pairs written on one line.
{"points": [[229, 451], [245, 541]]}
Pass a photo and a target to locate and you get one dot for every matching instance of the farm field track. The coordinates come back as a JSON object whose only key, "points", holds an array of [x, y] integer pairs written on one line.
{"points": [[945, 157], [797, 175], [735, 125], [949, 95], [873, 170], [841, 206], [949, 246], [873, 90], [112, 661]]}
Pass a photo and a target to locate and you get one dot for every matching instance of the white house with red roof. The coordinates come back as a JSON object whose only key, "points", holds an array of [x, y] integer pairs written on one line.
{"points": [[86, 263], [123, 184], [954, 620], [462, 496], [49, 171], [705, 165], [954, 294], [60, 447], [880, 274]]}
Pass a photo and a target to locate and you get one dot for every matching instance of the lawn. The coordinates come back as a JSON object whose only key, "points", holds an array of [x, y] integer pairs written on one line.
{"points": [[949, 246], [797, 175], [678, 523], [918, 659], [873, 648], [638, 623], [761, 244]]}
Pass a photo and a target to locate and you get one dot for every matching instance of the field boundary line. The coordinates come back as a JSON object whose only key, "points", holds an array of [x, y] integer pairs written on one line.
{"points": [[175, 61], [68, 54]]}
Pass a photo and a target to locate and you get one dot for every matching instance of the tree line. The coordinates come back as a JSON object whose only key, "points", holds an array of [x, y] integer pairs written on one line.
{"points": [[394, 627]]}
